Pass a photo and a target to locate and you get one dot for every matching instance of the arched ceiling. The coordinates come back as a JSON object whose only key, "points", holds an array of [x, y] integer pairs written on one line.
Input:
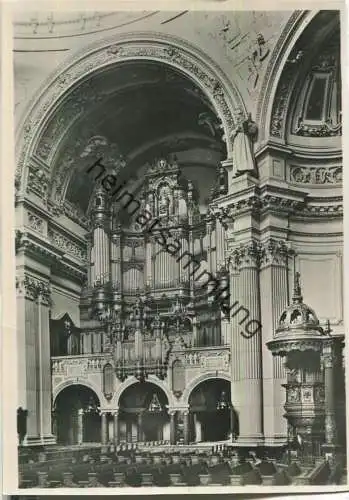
{"points": [[146, 110]]}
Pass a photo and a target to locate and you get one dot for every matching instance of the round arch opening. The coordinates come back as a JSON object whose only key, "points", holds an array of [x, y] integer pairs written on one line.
{"points": [[76, 417], [143, 414], [212, 416]]}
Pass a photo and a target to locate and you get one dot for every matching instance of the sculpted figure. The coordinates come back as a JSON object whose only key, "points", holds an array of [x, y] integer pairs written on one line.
{"points": [[241, 137]]}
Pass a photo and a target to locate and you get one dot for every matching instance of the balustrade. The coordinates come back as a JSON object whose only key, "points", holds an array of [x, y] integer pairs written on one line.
{"points": [[79, 363]]}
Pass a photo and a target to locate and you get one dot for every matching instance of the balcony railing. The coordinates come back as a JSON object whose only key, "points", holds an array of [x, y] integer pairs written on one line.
{"points": [[71, 365]]}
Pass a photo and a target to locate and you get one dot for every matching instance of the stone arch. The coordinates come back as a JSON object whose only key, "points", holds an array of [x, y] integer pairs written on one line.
{"points": [[103, 55], [273, 89], [68, 383], [198, 380], [151, 378]]}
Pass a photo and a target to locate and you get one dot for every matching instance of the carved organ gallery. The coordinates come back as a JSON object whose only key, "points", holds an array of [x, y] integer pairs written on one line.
{"points": [[230, 167]]}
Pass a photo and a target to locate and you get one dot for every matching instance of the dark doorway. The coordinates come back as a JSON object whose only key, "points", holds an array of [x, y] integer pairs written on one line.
{"points": [[76, 416], [210, 403]]}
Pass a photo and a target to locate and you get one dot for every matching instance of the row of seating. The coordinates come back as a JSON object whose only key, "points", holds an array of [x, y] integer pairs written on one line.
{"points": [[187, 471]]}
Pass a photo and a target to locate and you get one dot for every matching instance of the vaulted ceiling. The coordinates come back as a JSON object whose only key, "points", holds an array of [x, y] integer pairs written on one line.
{"points": [[146, 110]]}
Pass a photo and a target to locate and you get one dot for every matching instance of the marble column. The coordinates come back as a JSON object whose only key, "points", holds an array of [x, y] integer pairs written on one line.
{"points": [[140, 426], [80, 426], [274, 285], [104, 429], [172, 427], [245, 315], [186, 427], [116, 427], [330, 390]]}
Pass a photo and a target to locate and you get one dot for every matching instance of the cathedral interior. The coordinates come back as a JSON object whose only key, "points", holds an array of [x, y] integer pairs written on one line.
{"points": [[178, 204]]}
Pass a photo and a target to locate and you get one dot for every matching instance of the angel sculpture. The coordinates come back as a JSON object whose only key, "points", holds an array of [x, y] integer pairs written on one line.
{"points": [[242, 136]]}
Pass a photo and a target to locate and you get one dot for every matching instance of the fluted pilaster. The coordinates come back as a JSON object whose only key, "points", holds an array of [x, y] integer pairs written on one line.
{"points": [[34, 297], [274, 299], [247, 395]]}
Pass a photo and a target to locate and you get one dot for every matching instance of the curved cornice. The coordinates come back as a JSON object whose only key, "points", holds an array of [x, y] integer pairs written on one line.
{"points": [[105, 54], [299, 38], [284, 46]]}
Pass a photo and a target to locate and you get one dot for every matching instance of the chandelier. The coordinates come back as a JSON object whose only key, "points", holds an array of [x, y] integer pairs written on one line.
{"points": [[223, 403], [92, 407], [155, 405]]}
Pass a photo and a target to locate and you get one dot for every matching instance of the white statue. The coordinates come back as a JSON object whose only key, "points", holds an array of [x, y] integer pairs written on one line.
{"points": [[241, 137]]}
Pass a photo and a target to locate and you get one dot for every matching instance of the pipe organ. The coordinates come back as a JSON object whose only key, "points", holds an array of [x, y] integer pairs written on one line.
{"points": [[148, 255]]}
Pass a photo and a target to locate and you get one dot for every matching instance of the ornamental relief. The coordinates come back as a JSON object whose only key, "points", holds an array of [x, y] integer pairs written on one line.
{"points": [[34, 289], [210, 361], [79, 100], [35, 222], [257, 253], [38, 181], [72, 367], [316, 175], [67, 245]]}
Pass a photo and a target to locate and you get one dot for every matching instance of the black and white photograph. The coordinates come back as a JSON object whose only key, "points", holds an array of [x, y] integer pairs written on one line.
{"points": [[178, 249]]}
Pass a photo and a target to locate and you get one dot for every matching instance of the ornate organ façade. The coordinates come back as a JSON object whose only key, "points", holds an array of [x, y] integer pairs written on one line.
{"points": [[143, 286]]}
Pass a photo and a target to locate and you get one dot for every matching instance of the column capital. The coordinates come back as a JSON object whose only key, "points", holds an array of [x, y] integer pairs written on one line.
{"points": [[114, 413], [34, 288], [275, 251], [223, 214], [246, 255]]}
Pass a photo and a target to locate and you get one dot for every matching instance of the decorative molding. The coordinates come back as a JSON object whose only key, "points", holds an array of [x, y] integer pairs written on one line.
{"points": [[273, 62], [35, 222], [151, 46], [34, 289], [38, 181], [283, 92], [67, 245], [316, 175], [76, 214], [275, 252], [283, 347], [223, 214], [27, 242], [250, 254], [324, 130]]}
